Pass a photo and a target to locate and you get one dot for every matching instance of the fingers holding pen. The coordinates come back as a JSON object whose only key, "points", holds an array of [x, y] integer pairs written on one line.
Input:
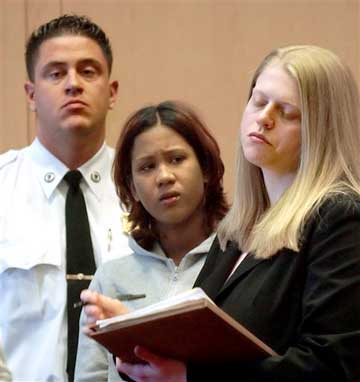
{"points": [[92, 306], [99, 307]]}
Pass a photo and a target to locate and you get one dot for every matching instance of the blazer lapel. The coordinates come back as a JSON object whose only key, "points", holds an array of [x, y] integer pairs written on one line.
{"points": [[242, 270], [217, 268]]}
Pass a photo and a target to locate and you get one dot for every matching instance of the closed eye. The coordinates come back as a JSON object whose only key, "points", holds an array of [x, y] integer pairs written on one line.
{"points": [[290, 114], [258, 101]]}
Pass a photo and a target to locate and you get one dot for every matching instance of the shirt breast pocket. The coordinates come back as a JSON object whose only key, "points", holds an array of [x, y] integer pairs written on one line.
{"points": [[28, 278]]}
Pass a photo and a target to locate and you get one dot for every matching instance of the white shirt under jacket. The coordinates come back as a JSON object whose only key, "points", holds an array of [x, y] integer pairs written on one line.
{"points": [[33, 327]]}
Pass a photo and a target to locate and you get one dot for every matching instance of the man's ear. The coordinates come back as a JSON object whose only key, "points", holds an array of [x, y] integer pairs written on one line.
{"points": [[114, 86], [30, 94]]}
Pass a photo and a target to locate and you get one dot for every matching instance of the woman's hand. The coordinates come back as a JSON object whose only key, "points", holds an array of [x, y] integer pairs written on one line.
{"points": [[156, 369], [98, 307]]}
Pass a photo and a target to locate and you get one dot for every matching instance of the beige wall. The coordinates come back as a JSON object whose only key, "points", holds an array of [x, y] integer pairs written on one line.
{"points": [[200, 51]]}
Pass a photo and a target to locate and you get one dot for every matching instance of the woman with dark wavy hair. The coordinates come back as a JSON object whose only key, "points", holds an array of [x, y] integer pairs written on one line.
{"points": [[168, 174], [184, 122]]}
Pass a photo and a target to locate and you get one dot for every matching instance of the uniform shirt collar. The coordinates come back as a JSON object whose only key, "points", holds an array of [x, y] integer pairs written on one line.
{"points": [[97, 171], [50, 170]]}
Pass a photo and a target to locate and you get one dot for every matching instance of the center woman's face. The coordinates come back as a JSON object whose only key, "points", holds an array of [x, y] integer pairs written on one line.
{"points": [[271, 124], [167, 177]]}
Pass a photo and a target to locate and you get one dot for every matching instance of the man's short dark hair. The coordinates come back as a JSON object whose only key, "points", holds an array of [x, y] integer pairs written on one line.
{"points": [[66, 25]]}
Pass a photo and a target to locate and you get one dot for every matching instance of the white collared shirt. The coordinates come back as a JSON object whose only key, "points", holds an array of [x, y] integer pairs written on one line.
{"points": [[33, 327]]}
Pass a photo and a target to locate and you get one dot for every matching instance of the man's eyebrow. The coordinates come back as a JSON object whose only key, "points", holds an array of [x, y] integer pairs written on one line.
{"points": [[51, 64], [91, 61], [84, 61]]}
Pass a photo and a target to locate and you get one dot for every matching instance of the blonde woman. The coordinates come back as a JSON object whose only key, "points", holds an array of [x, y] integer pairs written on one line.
{"points": [[287, 262]]}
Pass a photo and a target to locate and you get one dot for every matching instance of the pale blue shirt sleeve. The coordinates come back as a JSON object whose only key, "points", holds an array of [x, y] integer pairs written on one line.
{"points": [[92, 358]]}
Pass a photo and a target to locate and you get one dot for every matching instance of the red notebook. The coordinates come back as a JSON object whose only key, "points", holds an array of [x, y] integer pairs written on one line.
{"points": [[187, 327]]}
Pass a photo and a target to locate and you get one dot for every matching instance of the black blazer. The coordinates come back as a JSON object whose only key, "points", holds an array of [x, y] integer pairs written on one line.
{"points": [[304, 305]]}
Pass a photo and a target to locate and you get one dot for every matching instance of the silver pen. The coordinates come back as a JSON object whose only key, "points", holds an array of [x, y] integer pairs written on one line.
{"points": [[121, 297]]}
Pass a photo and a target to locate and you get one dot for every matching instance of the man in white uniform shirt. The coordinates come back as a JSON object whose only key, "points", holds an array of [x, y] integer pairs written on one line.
{"points": [[69, 63]]}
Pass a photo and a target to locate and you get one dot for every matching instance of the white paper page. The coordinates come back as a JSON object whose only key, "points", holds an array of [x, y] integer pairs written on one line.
{"points": [[189, 295]]}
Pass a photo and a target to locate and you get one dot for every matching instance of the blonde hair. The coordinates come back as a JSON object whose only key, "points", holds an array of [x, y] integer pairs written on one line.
{"points": [[329, 159]]}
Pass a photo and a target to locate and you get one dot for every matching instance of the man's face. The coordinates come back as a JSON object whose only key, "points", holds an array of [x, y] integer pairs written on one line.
{"points": [[71, 92]]}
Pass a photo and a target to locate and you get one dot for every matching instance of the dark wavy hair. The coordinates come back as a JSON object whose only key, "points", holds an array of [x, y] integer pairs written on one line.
{"points": [[65, 25], [182, 119]]}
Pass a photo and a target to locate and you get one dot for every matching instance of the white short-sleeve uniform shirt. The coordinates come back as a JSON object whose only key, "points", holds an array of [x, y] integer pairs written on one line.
{"points": [[33, 329]]}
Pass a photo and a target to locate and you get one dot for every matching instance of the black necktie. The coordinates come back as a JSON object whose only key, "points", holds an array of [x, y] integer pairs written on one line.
{"points": [[80, 263]]}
